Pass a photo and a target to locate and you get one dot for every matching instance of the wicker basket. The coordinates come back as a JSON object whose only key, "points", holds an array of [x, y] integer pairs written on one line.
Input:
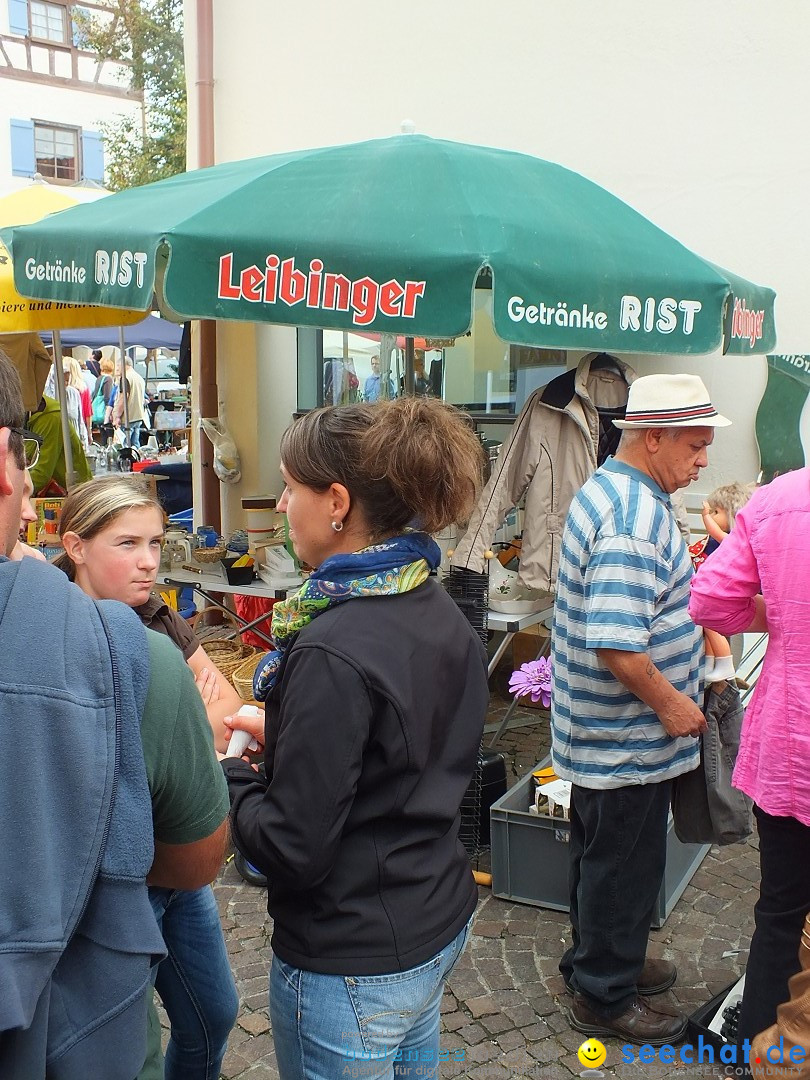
{"points": [[226, 628], [209, 554], [242, 677], [227, 655]]}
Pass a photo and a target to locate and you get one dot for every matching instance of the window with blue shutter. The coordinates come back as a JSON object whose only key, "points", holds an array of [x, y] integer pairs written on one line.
{"points": [[23, 162], [92, 156], [18, 17]]}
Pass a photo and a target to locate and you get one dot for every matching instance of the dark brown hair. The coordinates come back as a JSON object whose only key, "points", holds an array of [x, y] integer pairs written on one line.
{"points": [[12, 413], [408, 461]]}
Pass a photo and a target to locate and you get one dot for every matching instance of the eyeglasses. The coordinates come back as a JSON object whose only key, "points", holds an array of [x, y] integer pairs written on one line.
{"points": [[31, 444]]}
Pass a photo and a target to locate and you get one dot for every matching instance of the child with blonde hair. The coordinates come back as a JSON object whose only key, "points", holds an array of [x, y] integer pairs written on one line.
{"points": [[719, 511], [78, 399]]}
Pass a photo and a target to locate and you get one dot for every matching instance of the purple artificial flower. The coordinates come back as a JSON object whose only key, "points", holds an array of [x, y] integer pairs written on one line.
{"points": [[533, 678]]}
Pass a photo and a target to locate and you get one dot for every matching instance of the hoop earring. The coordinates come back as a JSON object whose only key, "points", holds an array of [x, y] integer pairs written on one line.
{"points": [[337, 526]]}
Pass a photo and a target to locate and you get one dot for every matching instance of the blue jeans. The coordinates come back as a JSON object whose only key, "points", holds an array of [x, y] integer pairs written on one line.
{"points": [[379, 1025], [194, 982], [135, 433]]}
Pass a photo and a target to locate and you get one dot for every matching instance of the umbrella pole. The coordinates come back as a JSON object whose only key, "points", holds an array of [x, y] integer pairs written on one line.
{"points": [[410, 381], [123, 348], [388, 346], [59, 374]]}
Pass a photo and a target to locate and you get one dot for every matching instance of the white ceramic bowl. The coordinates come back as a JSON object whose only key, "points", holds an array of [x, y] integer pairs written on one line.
{"points": [[517, 607]]}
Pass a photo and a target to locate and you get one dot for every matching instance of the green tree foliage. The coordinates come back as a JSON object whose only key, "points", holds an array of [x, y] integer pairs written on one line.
{"points": [[148, 36]]}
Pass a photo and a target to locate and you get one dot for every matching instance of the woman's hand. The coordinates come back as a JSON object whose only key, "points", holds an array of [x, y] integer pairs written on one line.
{"points": [[208, 685], [252, 724]]}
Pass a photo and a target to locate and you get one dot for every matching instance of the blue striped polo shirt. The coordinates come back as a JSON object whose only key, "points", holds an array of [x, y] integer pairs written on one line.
{"points": [[623, 583]]}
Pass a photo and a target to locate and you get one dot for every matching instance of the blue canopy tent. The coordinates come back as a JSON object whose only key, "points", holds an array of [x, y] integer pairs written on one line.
{"points": [[151, 332]]}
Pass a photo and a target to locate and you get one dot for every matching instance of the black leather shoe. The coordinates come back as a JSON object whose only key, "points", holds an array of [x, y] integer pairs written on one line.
{"points": [[639, 1023], [656, 977]]}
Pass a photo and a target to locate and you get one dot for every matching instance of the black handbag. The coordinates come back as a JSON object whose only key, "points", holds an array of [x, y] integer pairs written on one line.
{"points": [[706, 809]]}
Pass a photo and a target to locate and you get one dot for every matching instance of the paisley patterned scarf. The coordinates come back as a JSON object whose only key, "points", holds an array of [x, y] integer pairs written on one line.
{"points": [[394, 566]]}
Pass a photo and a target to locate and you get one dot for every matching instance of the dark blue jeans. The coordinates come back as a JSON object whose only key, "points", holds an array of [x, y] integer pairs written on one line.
{"points": [[784, 900], [194, 982], [616, 866]]}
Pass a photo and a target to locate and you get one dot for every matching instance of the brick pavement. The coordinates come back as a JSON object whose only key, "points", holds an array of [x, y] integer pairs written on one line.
{"points": [[503, 1006]]}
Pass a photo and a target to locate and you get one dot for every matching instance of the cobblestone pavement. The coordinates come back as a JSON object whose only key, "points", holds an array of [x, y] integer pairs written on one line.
{"points": [[503, 1011]]}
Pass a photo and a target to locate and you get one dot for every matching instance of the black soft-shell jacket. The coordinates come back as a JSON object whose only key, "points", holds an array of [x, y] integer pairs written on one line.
{"points": [[372, 736]]}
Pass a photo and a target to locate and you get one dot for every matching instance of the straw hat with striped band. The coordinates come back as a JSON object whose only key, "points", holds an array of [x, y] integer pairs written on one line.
{"points": [[658, 401]]}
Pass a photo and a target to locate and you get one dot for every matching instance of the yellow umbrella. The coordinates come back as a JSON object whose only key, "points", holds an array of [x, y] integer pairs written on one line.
{"points": [[19, 315]]}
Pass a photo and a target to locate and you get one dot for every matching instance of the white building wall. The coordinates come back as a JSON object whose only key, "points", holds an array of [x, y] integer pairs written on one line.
{"points": [[689, 112], [21, 100], [57, 102]]}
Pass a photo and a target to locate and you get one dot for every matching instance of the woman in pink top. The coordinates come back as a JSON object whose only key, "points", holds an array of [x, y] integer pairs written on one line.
{"points": [[757, 580]]}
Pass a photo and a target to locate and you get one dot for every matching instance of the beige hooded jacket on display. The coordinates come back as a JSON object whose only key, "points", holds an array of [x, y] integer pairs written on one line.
{"points": [[564, 431], [33, 362]]}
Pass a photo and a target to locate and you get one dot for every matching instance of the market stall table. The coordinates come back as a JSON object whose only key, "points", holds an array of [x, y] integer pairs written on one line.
{"points": [[509, 625], [211, 586]]}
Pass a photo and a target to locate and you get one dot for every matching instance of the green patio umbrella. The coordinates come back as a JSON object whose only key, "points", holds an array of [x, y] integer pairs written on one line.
{"points": [[392, 236]]}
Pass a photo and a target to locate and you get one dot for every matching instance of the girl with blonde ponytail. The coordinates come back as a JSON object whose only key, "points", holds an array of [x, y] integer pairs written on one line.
{"points": [[112, 531]]}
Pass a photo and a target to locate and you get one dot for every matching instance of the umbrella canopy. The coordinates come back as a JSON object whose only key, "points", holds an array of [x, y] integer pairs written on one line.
{"points": [[392, 236], [18, 314], [151, 333]]}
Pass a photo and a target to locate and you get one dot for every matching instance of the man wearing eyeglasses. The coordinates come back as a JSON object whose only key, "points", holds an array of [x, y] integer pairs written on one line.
{"points": [[83, 821]]}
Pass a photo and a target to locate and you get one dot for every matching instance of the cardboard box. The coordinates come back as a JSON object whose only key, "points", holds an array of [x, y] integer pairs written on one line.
{"points": [[48, 513], [527, 644]]}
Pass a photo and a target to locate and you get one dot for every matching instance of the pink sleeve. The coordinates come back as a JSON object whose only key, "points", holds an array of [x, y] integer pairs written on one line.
{"points": [[724, 588]]}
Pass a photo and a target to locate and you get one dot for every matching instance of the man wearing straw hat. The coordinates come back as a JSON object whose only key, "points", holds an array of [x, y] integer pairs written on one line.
{"points": [[624, 714]]}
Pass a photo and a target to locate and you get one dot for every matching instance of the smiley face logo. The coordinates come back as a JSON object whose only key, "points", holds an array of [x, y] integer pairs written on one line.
{"points": [[592, 1054]]}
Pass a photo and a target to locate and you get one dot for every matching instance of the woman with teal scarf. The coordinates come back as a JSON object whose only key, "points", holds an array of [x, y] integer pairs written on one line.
{"points": [[375, 695]]}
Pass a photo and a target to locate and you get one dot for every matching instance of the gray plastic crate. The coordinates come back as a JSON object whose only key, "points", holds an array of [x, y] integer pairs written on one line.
{"points": [[530, 855]]}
